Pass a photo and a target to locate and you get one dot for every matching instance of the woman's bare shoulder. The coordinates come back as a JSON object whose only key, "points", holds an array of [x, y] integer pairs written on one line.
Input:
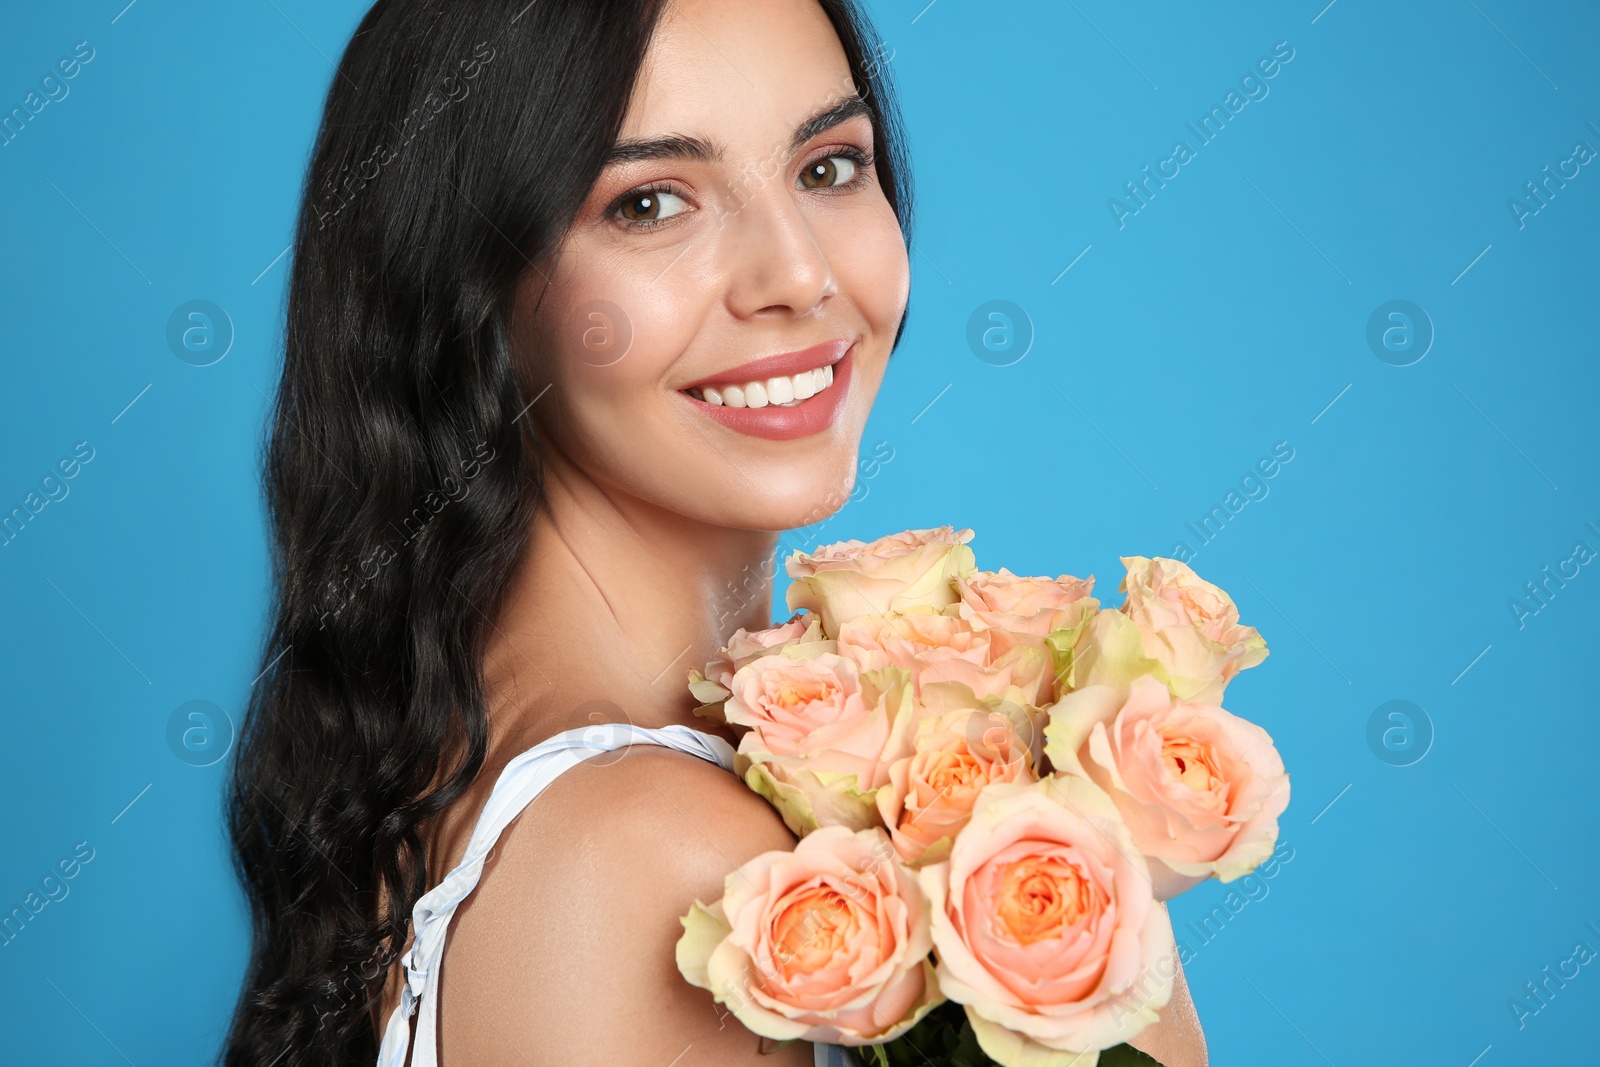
{"points": [[565, 952]]}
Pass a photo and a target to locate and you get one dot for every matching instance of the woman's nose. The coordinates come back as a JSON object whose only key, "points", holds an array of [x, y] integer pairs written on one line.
{"points": [[774, 262]]}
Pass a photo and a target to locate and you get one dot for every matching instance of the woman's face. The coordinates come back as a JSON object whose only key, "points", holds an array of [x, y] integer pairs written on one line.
{"points": [[741, 219]]}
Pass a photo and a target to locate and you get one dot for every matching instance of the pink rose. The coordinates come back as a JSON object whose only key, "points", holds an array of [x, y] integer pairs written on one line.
{"points": [[954, 756], [1200, 788], [711, 688], [821, 735], [1004, 601], [904, 570], [1046, 613], [941, 647], [912, 639], [1044, 925], [1189, 626], [826, 943], [744, 646]]}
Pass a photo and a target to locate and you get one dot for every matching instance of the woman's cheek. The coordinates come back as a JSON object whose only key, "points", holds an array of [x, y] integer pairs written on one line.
{"points": [[619, 330], [869, 258]]}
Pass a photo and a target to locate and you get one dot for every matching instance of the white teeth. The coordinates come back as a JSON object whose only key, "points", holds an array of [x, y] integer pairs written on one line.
{"points": [[782, 391]]}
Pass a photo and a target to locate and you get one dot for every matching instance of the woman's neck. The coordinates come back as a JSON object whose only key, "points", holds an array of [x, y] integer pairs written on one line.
{"points": [[613, 602]]}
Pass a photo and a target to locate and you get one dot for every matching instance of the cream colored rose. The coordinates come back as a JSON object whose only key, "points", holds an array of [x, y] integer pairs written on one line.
{"points": [[851, 578], [1004, 601], [1200, 789], [799, 636], [954, 756], [828, 943], [746, 645], [1044, 925], [1046, 613], [820, 735], [1189, 626], [941, 647]]}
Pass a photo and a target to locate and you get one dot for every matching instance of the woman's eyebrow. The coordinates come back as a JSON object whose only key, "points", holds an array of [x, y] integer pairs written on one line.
{"points": [[680, 146], [840, 113], [671, 146]]}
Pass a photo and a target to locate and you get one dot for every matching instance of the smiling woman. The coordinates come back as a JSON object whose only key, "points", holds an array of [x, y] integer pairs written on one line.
{"points": [[724, 181]]}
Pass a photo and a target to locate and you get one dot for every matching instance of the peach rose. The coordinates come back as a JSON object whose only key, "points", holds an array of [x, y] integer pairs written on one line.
{"points": [[1189, 626], [1044, 925], [821, 734], [1199, 788], [826, 943], [1001, 600], [711, 687], [940, 647], [1046, 613], [850, 578], [954, 756]]}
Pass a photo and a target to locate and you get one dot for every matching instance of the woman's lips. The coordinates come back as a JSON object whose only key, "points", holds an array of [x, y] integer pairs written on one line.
{"points": [[777, 423]]}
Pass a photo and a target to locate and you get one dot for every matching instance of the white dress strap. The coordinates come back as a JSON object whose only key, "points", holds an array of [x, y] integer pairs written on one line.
{"points": [[522, 780]]}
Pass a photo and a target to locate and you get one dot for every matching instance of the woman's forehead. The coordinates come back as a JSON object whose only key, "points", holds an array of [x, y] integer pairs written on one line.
{"points": [[778, 62]]}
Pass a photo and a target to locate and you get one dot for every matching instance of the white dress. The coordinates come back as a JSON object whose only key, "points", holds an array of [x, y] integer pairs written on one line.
{"points": [[521, 781]]}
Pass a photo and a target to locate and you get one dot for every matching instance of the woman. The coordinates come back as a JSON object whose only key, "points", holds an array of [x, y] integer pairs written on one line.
{"points": [[590, 298]]}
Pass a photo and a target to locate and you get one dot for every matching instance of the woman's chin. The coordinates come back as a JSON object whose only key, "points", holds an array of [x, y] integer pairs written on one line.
{"points": [[791, 509]]}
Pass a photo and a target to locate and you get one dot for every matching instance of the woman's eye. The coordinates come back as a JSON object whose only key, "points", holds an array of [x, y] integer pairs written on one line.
{"points": [[835, 170], [652, 206]]}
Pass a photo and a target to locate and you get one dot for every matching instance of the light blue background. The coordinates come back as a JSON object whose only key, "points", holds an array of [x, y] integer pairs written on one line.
{"points": [[1227, 315]]}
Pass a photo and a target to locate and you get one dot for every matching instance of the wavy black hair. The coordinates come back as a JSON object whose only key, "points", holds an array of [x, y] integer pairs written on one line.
{"points": [[458, 140]]}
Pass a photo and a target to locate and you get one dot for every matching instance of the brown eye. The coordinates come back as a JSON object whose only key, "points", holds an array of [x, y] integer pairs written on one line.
{"points": [[651, 206], [640, 208], [835, 170]]}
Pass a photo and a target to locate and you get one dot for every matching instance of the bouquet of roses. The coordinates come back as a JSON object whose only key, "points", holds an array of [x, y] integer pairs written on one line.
{"points": [[994, 783]]}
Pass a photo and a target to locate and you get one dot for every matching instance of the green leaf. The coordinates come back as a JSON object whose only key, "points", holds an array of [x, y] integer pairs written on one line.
{"points": [[1126, 1056]]}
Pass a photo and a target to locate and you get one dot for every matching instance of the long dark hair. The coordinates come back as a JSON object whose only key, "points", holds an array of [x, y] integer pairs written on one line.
{"points": [[458, 140]]}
